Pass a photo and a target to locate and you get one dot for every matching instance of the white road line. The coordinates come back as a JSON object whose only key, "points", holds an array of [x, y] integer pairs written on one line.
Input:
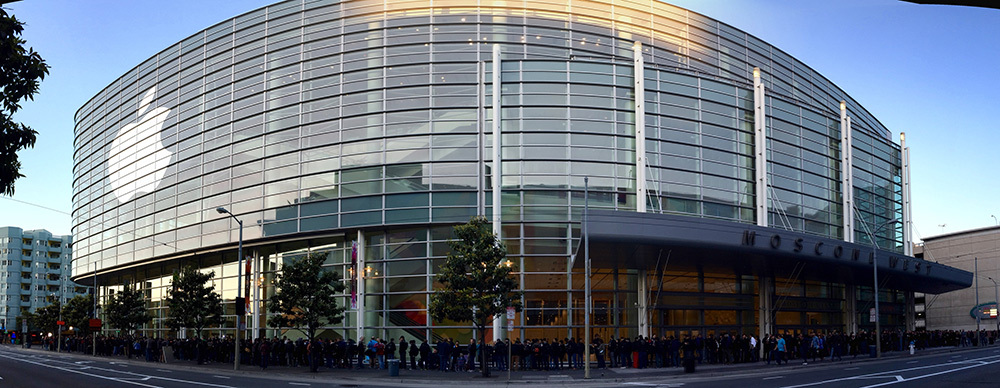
{"points": [[221, 377], [72, 368], [912, 362], [82, 373], [774, 377], [292, 383], [962, 365], [854, 368], [164, 370]]}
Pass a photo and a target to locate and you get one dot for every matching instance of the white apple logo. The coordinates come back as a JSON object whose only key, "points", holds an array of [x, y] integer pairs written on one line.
{"points": [[138, 159]]}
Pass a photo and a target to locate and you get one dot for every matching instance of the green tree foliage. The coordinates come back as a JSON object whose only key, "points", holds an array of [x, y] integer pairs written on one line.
{"points": [[192, 303], [305, 296], [78, 312], [476, 279], [21, 72], [44, 318], [126, 310]]}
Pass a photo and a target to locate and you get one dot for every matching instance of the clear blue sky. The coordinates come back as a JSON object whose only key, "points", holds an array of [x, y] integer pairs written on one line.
{"points": [[929, 71]]}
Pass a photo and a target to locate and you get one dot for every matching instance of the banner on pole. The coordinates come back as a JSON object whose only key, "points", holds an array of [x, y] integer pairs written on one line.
{"points": [[871, 315], [249, 278], [354, 274]]}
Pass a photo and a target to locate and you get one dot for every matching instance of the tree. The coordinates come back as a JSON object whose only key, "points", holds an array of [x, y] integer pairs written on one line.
{"points": [[305, 296], [191, 302], [126, 310], [475, 279], [21, 72], [44, 318], [78, 311]]}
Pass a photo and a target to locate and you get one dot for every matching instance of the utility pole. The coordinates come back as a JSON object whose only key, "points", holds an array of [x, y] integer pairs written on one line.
{"points": [[586, 297]]}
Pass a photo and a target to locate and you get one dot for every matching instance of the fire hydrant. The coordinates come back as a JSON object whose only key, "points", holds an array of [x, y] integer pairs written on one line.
{"points": [[911, 348]]}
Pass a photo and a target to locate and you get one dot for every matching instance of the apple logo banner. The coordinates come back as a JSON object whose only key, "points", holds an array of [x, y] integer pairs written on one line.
{"points": [[138, 159]]}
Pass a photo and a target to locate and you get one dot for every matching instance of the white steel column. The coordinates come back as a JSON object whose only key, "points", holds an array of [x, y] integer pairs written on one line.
{"points": [[765, 315], [847, 172], [760, 148], [851, 297], [640, 129], [907, 216], [360, 274], [255, 278], [643, 298], [498, 332], [481, 124]]}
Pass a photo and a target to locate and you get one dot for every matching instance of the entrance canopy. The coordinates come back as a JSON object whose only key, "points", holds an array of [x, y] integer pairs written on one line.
{"points": [[630, 240]]}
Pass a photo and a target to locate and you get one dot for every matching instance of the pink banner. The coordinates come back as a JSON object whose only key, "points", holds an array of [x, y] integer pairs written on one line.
{"points": [[354, 274]]}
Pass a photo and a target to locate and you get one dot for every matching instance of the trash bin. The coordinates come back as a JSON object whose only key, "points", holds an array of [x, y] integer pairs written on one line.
{"points": [[871, 351], [394, 367]]}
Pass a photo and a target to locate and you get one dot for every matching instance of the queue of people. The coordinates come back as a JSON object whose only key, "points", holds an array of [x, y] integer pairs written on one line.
{"points": [[448, 355]]}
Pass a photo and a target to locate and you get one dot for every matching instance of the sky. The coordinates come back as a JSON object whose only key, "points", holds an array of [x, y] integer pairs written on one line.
{"points": [[927, 70]]}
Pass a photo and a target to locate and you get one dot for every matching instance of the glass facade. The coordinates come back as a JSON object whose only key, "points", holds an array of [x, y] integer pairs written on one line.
{"points": [[313, 120]]}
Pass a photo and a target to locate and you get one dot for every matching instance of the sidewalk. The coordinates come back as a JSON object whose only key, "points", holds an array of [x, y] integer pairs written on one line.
{"points": [[564, 377]]}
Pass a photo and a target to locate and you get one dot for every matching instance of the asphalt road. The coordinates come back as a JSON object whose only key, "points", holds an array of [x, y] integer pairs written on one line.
{"points": [[31, 369], [969, 369], [962, 368]]}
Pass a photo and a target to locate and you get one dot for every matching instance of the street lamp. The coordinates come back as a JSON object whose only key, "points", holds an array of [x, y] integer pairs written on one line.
{"points": [[996, 302], [871, 237], [239, 297], [59, 324], [587, 341]]}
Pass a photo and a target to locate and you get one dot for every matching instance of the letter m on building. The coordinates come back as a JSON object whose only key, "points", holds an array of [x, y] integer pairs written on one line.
{"points": [[749, 237]]}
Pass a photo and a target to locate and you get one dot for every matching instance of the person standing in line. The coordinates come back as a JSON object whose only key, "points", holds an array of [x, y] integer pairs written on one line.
{"points": [[781, 350], [414, 350], [402, 352], [472, 348]]}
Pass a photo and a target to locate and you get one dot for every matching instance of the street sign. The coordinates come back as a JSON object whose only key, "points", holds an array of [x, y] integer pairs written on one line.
{"points": [[510, 313], [871, 316], [94, 323], [510, 319], [60, 323]]}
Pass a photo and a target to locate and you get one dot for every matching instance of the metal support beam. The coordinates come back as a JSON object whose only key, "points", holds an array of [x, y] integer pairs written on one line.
{"points": [[846, 172], [766, 314], [851, 297], [907, 215], [360, 274], [640, 128], [642, 298], [498, 332], [760, 148]]}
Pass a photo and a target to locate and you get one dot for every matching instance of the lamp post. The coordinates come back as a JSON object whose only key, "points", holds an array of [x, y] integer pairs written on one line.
{"points": [[587, 295], [871, 236], [239, 275], [59, 336], [996, 302]]}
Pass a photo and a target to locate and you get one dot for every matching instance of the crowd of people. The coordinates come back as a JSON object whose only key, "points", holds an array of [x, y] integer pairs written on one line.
{"points": [[535, 354]]}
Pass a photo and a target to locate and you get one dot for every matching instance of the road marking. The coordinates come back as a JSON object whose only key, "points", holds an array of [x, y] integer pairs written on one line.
{"points": [[298, 384], [72, 367], [164, 370], [774, 377], [221, 377], [854, 368], [912, 362], [82, 373], [960, 365]]}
